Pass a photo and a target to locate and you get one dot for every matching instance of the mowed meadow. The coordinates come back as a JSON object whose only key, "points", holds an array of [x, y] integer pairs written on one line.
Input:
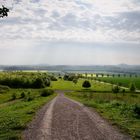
{"points": [[23, 93]]}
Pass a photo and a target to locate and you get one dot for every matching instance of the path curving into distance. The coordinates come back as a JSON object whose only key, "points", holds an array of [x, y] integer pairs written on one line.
{"points": [[65, 119]]}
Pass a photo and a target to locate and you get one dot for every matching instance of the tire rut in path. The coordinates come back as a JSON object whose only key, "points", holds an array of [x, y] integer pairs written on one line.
{"points": [[65, 119]]}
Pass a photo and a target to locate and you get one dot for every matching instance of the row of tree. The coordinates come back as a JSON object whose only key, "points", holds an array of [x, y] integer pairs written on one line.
{"points": [[110, 75], [25, 83]]}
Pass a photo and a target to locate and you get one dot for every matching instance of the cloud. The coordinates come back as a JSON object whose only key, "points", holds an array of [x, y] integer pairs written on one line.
{"points": [[73, 20]]}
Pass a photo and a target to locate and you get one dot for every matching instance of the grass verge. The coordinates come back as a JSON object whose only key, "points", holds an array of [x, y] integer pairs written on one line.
{"points": [[15, 117], [123, 111]]}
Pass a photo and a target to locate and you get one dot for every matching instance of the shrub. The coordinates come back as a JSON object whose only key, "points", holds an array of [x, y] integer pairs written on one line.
{"points": [[69, 77], [4, 89], [132, 87], [53, 78], [29, 97], [38, 83], [47, 82], [136, 109], [22, 95], [86, 84], [115, 89], [46, 92], [115, 103], [75, 80], [123, 90], [13, 97]]}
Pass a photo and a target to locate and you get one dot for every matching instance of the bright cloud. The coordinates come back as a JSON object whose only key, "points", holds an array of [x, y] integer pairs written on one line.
{"points": [[89, 20]]}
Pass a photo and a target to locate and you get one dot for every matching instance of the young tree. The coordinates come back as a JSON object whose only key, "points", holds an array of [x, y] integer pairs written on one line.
{"points": [[38, 83], [75, 80], [113, 75], [97, 75], [119, 75], [86, 84], [92, 76], [86, 75], [132, 87], [102, 75], [115, 89]]}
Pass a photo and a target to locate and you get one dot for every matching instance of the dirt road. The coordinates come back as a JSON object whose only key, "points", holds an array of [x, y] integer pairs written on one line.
{"points": [[65, 119]]}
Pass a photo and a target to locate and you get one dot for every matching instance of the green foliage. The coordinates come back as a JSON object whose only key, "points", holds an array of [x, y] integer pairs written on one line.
{"points": [[132, 87], [13, 96], [14, 116], [22, 95], [136, 109], [75, 80], [69, 77], [47, 82], [115, 89], [52, 78], [4, 89], [86, 84], [38, 83], [46, 92], [25, 80], [29, 97]]}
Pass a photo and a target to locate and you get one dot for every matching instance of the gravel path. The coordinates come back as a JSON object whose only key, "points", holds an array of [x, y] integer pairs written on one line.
{"points": [[65, 119]]}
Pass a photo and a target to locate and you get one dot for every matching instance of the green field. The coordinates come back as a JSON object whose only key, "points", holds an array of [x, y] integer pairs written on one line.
{"points": [[123, 81], [69, 85], [121, 110]]}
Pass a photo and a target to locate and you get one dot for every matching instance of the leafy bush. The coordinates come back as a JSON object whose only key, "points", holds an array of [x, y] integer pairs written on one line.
{"points": [[132, 87], [13, 97], [29, 97], [25, 80], [115, 103], [69, 77], [75, 80], [86, 84], [46, 92], [4, 89], [22, 95], [38, 83], [53, 78], [136, 109], [126, 109], [115, 89], [47, 82]]}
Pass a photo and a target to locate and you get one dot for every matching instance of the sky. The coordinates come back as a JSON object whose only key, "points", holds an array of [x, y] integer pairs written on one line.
{"points": [[70, 32]]}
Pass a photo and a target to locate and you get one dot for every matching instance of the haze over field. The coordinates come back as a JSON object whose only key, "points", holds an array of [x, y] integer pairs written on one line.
{"points": [[72, 32]]}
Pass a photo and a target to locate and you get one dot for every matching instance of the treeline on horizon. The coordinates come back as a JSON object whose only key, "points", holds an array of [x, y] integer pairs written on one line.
{"points": [[128, 69]]}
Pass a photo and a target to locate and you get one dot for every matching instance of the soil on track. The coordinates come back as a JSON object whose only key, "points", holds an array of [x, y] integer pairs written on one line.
{"points": [[65, 119]]}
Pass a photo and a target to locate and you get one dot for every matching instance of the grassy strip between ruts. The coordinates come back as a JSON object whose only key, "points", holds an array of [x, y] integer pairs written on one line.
{"points": [[14, 118], [123, 111]]}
